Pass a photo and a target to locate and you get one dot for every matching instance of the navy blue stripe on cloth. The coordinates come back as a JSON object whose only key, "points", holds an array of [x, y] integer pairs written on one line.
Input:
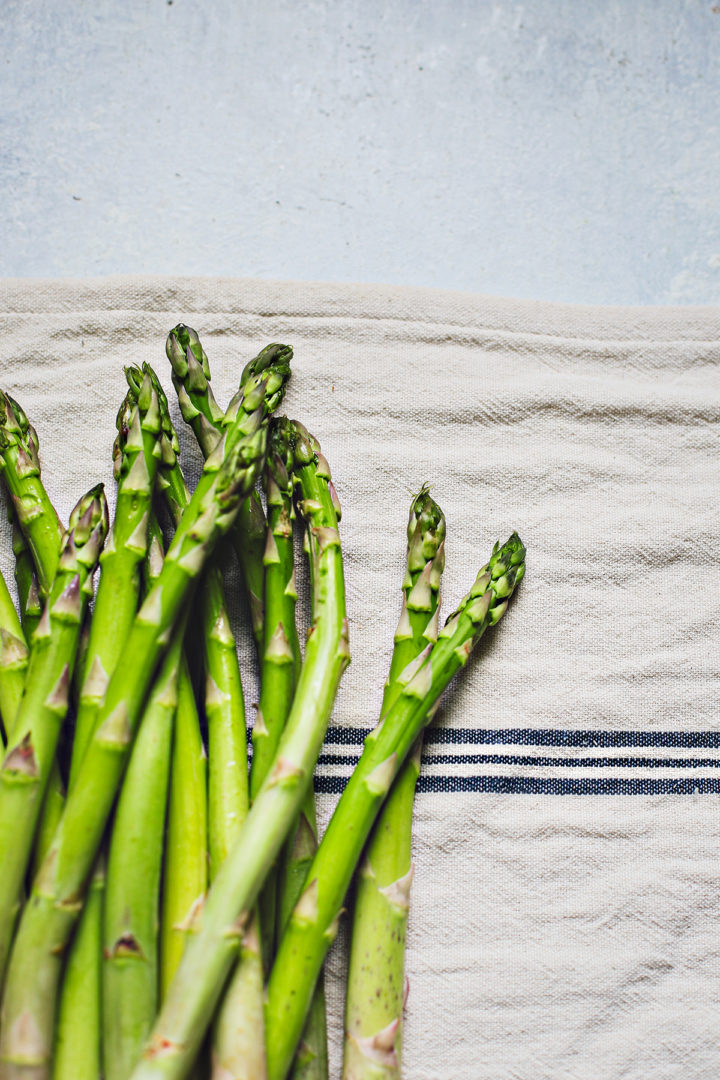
{"points": [[527, 759], [478, 771], [531, 785], [544, 737]]}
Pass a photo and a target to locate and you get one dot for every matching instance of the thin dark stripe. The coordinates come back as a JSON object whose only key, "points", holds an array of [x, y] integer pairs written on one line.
{"points": [[353, 736], [527, 785], [528, 759]]}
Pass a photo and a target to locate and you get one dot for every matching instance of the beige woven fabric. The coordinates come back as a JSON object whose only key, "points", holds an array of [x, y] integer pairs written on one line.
{"points": [[564, 923]]}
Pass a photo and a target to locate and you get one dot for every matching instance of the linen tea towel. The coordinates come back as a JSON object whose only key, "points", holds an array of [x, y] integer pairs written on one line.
{"points": [[565, 905]]}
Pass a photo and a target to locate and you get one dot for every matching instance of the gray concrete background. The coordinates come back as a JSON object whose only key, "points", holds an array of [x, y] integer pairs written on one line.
{"points": [[552, 149]]}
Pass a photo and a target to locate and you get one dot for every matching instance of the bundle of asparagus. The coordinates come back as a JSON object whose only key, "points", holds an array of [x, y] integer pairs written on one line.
{"points": [[165, 911]]}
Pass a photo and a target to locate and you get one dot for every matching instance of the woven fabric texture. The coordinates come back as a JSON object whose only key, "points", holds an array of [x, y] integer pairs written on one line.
{"points": [[564, 918]]}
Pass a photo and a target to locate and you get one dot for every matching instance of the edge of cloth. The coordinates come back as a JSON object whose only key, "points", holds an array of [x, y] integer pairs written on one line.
{"points": [[311, 300]]}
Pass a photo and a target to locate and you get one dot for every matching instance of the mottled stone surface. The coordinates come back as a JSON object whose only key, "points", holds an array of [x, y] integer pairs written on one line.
{"points": [[553, 149]]}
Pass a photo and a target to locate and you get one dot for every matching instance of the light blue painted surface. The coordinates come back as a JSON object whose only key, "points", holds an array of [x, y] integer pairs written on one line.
{"points": [[554, 149]]}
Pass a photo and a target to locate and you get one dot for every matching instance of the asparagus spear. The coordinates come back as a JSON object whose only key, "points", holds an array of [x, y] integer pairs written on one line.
{"points": [[279, 681], [77, 1052], [186, 848], [311, 1060], [228, 781], [52, 808], [376, 979], [13, 667], [238, 1031], [47, 921], [237, 1036], [202, 815], [185, 873], [13, 661], [33, 509], [135, 457], [209, 956], [43, 524], [26, 579], [21, 469], [191, 378], [280, 660], [225, 714], [224, 701], [313, 924], [132, 895], [34, 734], [130, 969], [281, 648]]}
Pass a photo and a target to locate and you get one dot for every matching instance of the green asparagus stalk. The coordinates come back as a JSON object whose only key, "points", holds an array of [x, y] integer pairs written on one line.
{"points": [[280, 663], [281, 667], [238, 1034], [135, 458], [225, 715], [186, 851], [79, 673], [311, 1060], [30, 611], [50, 814], [130, 969], [224, 700], [44, 525], [16, 633], [33, 509], [130, 977], [191, 378], [185, 876], [238, 1031], [33, 738], [376, 973], [13, 661], [48, 919], [26, 580], [281, 648], [13, 667], [313, 924], [227, 768], [210, 954], [77, 1051]]}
